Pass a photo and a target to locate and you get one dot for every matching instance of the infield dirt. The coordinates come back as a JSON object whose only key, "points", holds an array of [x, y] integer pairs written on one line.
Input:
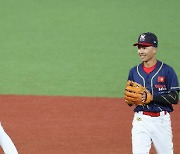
{"points": [[71, 125]]}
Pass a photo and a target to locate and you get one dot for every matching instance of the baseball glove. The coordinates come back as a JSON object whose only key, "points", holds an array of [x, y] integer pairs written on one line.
{"points": [[136, 94]]}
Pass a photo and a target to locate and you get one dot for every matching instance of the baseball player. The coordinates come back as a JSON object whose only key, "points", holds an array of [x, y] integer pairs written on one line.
{"points": [[6, 143], [152, 88]]}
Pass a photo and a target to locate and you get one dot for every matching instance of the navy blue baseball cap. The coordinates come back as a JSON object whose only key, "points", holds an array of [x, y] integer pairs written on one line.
{"points": [[147, 39]]}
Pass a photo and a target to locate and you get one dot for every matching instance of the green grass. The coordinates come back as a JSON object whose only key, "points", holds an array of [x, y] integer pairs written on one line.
{"points": [[80, 47]]}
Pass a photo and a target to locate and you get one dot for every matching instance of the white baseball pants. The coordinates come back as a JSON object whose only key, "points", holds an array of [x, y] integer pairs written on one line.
{"points": [[147, 130], [6, 143]]}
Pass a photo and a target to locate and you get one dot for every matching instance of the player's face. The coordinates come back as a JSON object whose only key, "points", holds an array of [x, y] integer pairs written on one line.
{"points": [[147, 54]]}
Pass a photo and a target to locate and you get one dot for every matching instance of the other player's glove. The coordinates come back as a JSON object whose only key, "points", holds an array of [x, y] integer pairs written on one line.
{"points": [[136, 94]]}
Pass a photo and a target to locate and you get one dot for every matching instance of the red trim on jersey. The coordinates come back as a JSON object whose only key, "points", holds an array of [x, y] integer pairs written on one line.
{"points": [[149, 69]]}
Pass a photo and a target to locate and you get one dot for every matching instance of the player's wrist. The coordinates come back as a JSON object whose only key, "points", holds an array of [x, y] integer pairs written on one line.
{"points": [[152, 97]]}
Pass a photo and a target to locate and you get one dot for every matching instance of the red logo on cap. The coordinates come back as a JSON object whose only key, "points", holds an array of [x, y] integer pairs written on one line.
{"points": [[161, 78]]}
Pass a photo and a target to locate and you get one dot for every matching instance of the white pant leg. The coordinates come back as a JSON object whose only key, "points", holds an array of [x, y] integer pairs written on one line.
{"points": [[6, 143], [141, 140], [162, 135]]}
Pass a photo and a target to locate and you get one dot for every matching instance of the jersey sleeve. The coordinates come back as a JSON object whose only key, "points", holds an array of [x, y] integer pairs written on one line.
{"points": [[172, 95], [172, 81], [130, 77]]}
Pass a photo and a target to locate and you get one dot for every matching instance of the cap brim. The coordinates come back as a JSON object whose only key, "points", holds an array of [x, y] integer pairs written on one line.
{"points": [[143, 44]]}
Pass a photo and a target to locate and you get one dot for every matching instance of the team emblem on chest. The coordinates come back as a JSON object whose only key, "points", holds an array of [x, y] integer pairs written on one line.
{"points": [[161, 78], [161, 85]]}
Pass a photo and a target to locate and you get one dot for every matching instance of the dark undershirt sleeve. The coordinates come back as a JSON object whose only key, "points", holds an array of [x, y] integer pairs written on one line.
{"points": [[165, 99]]}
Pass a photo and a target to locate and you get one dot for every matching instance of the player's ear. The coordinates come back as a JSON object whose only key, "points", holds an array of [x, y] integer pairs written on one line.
{"points": [[155, 50]]}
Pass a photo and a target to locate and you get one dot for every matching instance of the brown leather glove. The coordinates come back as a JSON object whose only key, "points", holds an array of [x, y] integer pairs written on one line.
{"points": [[136, 94]]}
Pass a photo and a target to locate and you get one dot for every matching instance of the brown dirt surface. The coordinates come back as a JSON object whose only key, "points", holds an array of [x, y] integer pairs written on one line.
{"points": [[72, 125]]}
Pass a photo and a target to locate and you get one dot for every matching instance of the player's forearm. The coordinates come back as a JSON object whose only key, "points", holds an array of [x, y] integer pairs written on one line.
{"points": [[170, 98]]}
